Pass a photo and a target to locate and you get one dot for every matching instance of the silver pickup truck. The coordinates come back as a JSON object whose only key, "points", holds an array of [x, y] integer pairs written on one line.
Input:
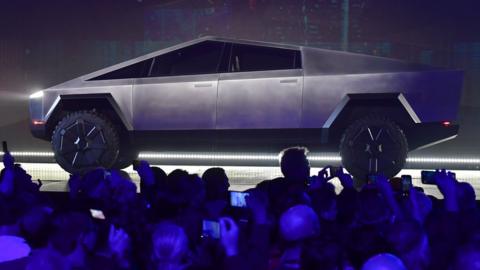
{"points": [[220, 93]]}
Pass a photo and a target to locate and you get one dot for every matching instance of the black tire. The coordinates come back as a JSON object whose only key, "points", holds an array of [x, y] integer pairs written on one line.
{"points": [[85, 140], [373, 145], [125, 157]]}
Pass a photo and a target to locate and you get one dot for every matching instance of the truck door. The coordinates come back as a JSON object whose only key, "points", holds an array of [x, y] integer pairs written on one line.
{"points": [[180, 92], [262, 89]]}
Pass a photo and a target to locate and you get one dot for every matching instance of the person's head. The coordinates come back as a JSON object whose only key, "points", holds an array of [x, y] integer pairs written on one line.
{"points": [[466, 196], [299, 222], [216, 184], [294, 163], [94, 184], [13, 248], [47, 259], [320, 254], [371, 207], [160, 176], [384, 261], [169, 247], [324, 202], [35, 224], [409, 241], [66, 230], [364, 242]]}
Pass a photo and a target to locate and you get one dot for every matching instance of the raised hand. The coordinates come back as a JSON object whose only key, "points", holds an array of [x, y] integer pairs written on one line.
{"points": [[118, 241], [257, 201], [447, 184], [229, 234], [345, 179], [145, 173], [8, 160]]}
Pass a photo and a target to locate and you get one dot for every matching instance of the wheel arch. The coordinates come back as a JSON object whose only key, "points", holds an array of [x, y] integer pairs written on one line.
{"points": [[356, 106], [101, 103]]}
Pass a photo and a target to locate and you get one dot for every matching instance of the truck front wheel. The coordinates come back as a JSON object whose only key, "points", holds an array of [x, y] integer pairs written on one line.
{"points": [[85, 140], [373, 145]]}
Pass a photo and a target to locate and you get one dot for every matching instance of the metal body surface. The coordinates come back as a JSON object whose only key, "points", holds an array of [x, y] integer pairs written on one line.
{"points": [[230, 103]]}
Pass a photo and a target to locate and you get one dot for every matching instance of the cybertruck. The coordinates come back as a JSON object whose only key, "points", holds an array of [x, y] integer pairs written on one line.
{"points": [[234, 94]]}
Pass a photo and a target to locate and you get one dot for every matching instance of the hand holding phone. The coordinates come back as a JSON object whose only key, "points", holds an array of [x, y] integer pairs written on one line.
{"points": [[406, 184], [230, 234], [329, 172], [210, 229]]}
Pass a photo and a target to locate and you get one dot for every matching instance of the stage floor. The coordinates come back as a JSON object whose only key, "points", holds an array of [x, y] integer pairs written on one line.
{"points": [[241, 177]]}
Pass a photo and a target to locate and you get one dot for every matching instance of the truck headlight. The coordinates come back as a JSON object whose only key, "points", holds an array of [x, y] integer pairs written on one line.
{"points": [[37, 94]]}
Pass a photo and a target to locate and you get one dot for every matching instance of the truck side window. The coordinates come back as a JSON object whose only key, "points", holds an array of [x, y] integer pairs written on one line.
{"points": [[138, 70], [201, 58], [258, 58]]}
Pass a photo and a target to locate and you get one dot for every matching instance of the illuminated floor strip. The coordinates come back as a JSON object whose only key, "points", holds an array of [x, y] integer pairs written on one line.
{"points": [[321, 157]]}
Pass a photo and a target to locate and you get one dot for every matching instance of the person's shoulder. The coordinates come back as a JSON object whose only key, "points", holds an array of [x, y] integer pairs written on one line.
{"points": [[268, 184]]}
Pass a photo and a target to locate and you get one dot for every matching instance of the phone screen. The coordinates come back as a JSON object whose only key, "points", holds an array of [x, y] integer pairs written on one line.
{"points": [[210, 229], [237, 199], [406, 183], [428, 177], [97, 214]]}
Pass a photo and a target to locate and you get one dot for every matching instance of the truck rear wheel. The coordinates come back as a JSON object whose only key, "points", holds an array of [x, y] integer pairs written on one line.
{"points": [[85, 140], [373, 145], [125, 157]]}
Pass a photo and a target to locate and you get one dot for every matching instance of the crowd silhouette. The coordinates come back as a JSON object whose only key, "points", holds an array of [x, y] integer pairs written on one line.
{"points": [[184, 221]]}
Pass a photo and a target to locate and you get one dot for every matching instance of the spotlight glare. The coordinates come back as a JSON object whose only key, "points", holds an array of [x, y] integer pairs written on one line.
{"points": [[37, 94]]}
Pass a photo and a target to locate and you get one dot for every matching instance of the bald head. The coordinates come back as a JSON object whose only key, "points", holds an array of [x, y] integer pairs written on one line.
{"points": [[299, 222], [384, 261]]}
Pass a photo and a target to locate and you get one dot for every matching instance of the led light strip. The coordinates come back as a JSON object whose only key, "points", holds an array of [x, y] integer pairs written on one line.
{"points": [[332, 157], [264, 157], [444, 160]]}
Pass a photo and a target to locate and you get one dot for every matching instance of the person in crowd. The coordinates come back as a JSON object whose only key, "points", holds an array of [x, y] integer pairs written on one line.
{"points": [[384, 261], [297, 224], [291, 189], [170, 247]]}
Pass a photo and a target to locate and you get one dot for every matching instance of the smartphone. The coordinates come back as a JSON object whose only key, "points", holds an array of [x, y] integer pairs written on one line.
{"points": [[406, 183], [372, 179], [210, 229], [97, 214], [428, 177], [329, 172], [238, 199], [4, 147]]}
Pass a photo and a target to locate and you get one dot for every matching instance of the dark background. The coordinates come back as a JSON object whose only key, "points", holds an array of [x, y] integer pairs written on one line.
{"points": [[43, 43]]}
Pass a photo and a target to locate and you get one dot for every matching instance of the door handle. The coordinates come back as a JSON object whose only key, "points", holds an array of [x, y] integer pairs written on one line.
{"points": [[198, 85], [289, 81]]}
